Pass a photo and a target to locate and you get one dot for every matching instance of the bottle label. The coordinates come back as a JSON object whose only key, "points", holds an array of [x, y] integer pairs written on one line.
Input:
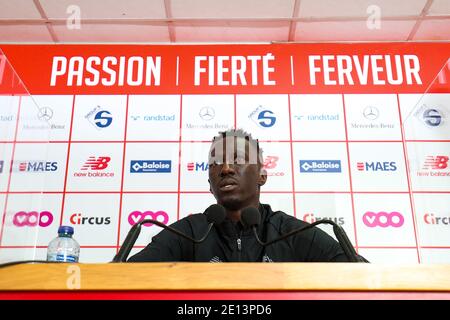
{"points": [[66, 258]]}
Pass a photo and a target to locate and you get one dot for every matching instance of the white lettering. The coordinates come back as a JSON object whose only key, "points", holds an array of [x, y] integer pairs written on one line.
{"points": [[93, 71], [412, 70], [198, 69], [378, 69], [313, 69], [107, 71], [221, 70], [238, 70], [266, 69], [59, 68]]}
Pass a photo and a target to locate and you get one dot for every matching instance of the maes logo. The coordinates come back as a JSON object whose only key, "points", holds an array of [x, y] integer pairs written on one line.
{"points": [[263, 118], [197, 166], [377, 166], [150, 166], [99, 118], [37, 166], [320, 166]]}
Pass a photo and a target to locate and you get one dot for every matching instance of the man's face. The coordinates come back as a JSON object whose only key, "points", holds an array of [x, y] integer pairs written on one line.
{"points": [[235, 174]]}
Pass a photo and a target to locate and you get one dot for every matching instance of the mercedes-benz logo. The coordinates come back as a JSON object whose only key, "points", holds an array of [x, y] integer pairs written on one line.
{"points": [[45, 113], [207, 113], [371, 113]]}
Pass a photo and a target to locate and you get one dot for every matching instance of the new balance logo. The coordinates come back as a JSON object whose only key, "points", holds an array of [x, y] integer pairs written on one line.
{"points": [[94, 163], [435, 163]]}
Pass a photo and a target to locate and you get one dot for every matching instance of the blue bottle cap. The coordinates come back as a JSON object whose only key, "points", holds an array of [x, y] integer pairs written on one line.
{"points": [[65, 229]]}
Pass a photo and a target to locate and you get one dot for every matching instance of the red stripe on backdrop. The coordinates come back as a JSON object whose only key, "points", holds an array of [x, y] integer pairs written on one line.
{"points": [[222, 295]]}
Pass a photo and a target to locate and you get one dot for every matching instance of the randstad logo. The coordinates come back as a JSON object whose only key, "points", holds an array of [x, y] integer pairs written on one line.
{"points": [[311, 218], [263, 118], [33, 219], [150, 166], [99, 118], [320, 166], [430, 218], [318, 117], [197, 166], [138, 216], [157, 117], [377, 166], [78, 219], [383, 219]]}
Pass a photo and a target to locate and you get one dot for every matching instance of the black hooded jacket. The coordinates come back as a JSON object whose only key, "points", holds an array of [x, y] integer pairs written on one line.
{"points": [[230, 242]]}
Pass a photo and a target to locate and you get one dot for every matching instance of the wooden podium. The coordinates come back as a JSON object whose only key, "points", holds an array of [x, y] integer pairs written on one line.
{"points": [[224, 281]]}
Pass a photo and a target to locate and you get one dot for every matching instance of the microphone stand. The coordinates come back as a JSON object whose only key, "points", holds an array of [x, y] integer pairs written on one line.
{"points": [[340, 234], [134, 232]]}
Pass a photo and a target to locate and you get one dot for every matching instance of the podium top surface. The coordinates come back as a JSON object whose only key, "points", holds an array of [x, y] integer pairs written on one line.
{"points": [[227, 276]]}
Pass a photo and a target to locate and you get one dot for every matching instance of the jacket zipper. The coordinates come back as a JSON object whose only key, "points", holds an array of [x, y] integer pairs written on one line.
{"points": [[239, 245]]}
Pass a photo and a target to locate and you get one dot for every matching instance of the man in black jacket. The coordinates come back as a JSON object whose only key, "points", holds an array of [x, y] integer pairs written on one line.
{"points": [[236, 175]]}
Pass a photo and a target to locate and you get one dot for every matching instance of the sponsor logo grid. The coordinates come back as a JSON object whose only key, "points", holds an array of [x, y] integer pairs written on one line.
{"points": [[161, 159]]}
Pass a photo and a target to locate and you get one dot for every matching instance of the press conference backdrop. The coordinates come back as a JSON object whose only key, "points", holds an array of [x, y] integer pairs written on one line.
{"points": [[99, 137]]}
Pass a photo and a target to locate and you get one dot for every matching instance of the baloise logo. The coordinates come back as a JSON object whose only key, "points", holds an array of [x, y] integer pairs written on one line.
{"points": [[138, 216], [383, 219], [99, 118], [263, 118], [32, 219], [150, 166], [320, 166]]}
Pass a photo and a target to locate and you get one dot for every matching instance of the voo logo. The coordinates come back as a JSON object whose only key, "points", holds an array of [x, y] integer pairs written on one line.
{"points": [[32, 219], [383, 219], [138, 216]]}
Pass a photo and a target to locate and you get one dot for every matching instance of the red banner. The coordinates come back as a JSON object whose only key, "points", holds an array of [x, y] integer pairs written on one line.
{"points": [[274, 68]]}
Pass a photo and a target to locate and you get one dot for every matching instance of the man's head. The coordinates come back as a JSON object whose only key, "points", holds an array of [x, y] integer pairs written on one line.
{"points": [[236, 170]]}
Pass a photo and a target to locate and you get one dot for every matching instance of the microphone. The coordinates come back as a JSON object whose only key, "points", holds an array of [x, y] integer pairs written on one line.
{"points": [[215, 214], [251, 217]]}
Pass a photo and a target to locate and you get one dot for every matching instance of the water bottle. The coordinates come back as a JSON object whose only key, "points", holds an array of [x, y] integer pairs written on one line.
{"points": [[63, 248]]}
